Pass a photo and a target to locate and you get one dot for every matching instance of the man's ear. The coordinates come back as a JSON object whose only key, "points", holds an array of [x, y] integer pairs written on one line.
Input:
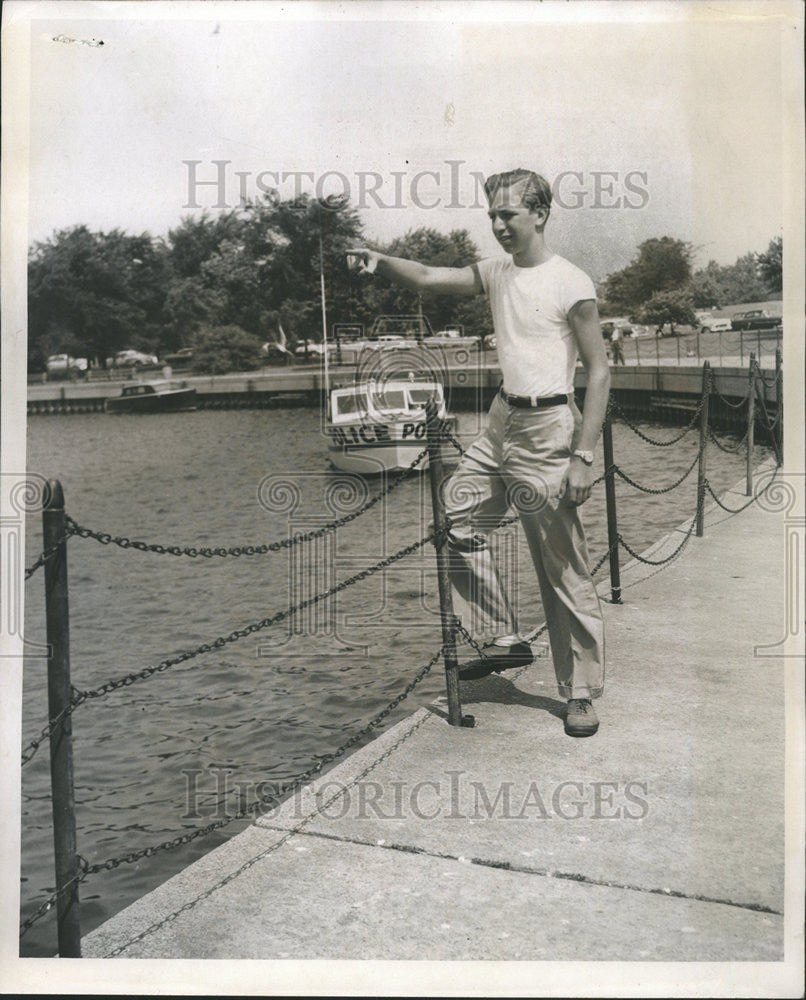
{"points": [[541, 215]]}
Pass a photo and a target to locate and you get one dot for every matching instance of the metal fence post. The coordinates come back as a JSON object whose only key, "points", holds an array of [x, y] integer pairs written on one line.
{"points": [[698, 347], [720, 348], [61, 736], [637, 353], [657, 349], [435, 470], [758, 340], [612, 520], [779, 404], [741, 347], [751, 423], [677, 340], [701, 467]]}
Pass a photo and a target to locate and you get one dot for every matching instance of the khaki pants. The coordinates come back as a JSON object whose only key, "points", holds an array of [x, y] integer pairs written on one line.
{"points": [[519, 462]]}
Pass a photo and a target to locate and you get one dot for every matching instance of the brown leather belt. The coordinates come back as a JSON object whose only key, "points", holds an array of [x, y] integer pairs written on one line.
{"points": [[533, 402]]}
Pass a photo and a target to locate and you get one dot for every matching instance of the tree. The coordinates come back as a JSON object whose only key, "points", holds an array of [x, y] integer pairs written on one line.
{"points": [[221, 349], [431, 247], [95, 293], [770, 266], [675, 306], [661, 265]]}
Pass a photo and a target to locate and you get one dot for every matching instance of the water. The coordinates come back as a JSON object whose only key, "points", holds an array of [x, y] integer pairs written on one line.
{"points": [[180, 749]]}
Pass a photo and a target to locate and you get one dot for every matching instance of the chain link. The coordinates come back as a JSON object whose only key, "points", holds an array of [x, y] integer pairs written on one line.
{"points": [[112, 685], [659, 444], [49, 553], [725, 400], [752, 500], [773, 381], [658, 492], [248, 811], [728, 449], [231, 876], [677, 551], [246, 550]]}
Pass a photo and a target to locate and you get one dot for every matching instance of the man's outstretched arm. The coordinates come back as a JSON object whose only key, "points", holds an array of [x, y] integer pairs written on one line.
{"points": [[419, 277]]}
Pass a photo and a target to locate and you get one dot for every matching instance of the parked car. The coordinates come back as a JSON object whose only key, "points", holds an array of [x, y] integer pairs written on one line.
{"points": [[754, 319], [131, 359], [715, 324], [184, 356], [63, 363]]}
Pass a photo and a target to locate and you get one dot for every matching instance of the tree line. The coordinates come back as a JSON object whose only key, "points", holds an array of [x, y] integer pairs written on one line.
{"points": [[659, 285], [226, 284]]}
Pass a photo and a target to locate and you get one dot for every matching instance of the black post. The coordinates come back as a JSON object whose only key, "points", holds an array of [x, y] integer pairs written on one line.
{"points": [[758, 341], [433, 428], [779, 404], [612, 522], [751, 424], [61, 736], [741, 346], [698, 346], [701, 468]]}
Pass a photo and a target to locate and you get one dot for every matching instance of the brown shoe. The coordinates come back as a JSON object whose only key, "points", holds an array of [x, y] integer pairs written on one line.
{"points": [[496, 659], [581, 718]]}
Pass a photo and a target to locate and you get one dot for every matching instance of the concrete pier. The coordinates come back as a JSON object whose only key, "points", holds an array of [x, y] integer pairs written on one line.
{"points": [[659, 839]]}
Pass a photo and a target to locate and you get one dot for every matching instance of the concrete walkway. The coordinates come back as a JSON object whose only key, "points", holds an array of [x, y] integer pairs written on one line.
{"points": [[660, 838]]}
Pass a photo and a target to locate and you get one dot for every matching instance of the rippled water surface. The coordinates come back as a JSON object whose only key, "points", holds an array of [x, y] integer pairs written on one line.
{"points": [[171, 753]]}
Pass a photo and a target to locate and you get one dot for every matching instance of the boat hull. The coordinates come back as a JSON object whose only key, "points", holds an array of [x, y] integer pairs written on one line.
{"points": [[374, 448], [158, 402]]}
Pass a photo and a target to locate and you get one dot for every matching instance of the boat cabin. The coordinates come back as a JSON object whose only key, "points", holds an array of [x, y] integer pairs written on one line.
{"points": [[391, 398]]}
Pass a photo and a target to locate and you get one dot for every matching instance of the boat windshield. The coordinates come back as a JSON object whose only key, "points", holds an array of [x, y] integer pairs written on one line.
{"points": [[353, 402], [391, 399], [419, 397]]}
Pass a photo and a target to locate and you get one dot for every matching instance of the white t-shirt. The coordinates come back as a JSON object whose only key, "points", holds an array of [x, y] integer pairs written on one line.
{"points": [[530, 305]]}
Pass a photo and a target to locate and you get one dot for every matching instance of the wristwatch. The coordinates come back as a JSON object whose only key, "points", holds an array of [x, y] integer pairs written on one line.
{"points": [[586, 456]]}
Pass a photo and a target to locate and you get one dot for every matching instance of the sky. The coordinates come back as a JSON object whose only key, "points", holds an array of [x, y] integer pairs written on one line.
{"points": [[648, 119]]}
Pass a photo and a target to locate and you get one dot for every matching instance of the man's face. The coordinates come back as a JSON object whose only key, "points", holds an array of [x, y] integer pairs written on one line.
{"points": [[514, 226]]}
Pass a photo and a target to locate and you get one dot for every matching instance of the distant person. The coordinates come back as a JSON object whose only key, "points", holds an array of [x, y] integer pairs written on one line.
{"points": [[616, 345], [536, 451]]}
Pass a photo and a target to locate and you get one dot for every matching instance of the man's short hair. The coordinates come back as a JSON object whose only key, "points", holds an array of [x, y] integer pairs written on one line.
{"points": [[536, 191]]}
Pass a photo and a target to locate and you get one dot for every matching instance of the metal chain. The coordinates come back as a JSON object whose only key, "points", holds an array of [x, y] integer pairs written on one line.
{"points": [[773, 381], [231, 876], [112, 685], [677, 551], [246, 550], [727, 402], [730, 450], [660, 444], [666, 489], [752, 500], [49, 553], [450, 436], [254, 807]]}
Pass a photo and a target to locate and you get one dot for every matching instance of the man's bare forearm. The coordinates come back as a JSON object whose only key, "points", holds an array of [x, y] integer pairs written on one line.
{"points": [[596, 396]]}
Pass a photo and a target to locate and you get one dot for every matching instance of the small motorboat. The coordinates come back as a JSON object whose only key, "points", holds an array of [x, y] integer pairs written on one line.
{"points": [[158, 396], [381, 428]]}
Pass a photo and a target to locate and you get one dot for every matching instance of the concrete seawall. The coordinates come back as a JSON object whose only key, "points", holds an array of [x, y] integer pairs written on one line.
{"points": [[659, 839], [652, 392]]}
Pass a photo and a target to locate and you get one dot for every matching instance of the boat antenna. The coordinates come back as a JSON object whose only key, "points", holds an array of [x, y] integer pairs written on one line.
{"points": [[324, 310]]}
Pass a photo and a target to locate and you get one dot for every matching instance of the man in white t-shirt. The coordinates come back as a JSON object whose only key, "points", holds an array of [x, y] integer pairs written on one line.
{"points": [[536, 451]]}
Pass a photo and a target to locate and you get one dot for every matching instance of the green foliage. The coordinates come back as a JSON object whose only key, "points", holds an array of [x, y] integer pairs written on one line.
{"points": [[661, 265], [431, 247], [675, 306], [221, 349], [770, 266], [92, 294]]}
